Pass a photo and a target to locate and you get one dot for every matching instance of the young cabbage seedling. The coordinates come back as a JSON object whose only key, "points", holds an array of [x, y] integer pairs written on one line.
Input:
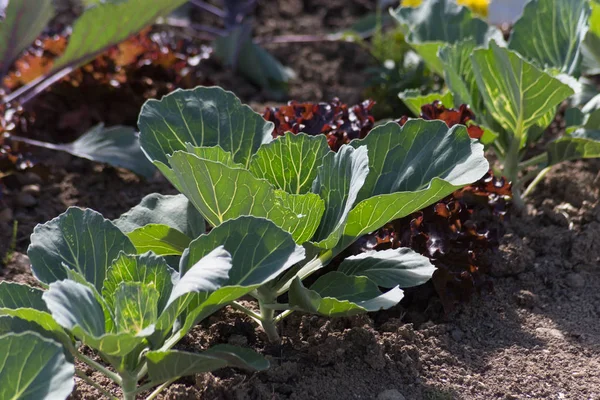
{"points": [[260, 194], [130, 309], [514, 88]]}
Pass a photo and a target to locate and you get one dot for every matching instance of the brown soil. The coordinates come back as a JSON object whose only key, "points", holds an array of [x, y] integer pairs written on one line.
{"points": [[537, 336]]}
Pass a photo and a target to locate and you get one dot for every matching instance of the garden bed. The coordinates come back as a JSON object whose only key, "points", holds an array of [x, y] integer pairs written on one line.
{"points": [[536, 335]]}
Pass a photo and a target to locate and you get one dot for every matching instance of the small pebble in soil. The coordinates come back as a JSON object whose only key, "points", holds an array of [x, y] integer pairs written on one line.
{"points": [[25, 200], [526, 299], [390, 394], [31, 189], [575, 280], [457, 334]]}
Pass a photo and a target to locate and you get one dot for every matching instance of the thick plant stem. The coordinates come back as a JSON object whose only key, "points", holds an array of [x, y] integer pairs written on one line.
{"points": [[129, 386], [511, 171], [267, 317]]}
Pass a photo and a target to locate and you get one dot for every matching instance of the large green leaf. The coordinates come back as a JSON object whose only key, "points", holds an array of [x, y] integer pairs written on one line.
{"points": [[290, 162], [166, 365], [414, 100], [136, 306], [338, 182], [582, 143], [33, 367], [108, 24], [160, 239], [401, 267], [147, 269], [15, 295], [515, 92], [174, 211], [28, 319], [203, 117], [550, 33], [590, 49], [75, 308], [437, 22], [77, 239], [336, 294], [24, 21], [118, 146], [260, 250], [308, 208]]}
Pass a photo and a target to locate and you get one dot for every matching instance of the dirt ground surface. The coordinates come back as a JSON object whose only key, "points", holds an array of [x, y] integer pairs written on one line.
{"points": [[535, 336]]}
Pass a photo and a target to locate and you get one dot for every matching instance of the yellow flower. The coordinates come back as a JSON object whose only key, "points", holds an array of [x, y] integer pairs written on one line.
{"points": [[479, 7]]}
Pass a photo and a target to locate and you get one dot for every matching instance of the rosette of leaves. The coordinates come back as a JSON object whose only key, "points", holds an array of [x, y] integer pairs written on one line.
{"points": [[222, 156], [130, 308], [339, 122], [514, 88]]}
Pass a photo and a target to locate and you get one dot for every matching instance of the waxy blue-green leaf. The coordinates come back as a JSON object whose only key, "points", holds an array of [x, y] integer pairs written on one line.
{"points": [[34, 367], [170, 364], [516, 93], [411, 167], [106, 25], [308, 209], [174, 211], [336, 294], [590, 48], [136, 306], [459, 75], [29, 319], [203, 117], [214, 153], [414, 100], [14, 295], [437, 22], [260, 250], [290, 162], [338, 182], [24, 21], [550, 33], [160, 239], [147, 269], [78, 239], [401, 267], [74, 307]]}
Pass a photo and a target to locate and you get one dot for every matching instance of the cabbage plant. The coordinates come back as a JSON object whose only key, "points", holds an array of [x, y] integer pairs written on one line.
{"points": [[513, 87], [258, 195], [129, 308]]}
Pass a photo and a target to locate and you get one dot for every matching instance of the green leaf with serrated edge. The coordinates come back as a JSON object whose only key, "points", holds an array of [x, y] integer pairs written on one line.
{"points": [[221, 193], [260, 250], [407, 158], [550, 33], [34, 367], [106, 25], [308, 209], [336, 294], [107, 308], [118, 146], [290, 162], [203, 117], [401, 267], [338, 182], [515, 93], [148, 269], [175, 211], [206, 276], [136, 306], [437, 22], [78, 239], [23, 22], [582, 143], [170, 364], [15, 295], [215, 153], [74, 307], [160, 239], [414, 100]]}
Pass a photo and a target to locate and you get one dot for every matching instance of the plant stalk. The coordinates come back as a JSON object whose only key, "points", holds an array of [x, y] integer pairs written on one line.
{"points": [[511, 171], [159, 389], [129, 385], [237, 306], [533, 161], [98, 367], [268, 323], [537, 180]]}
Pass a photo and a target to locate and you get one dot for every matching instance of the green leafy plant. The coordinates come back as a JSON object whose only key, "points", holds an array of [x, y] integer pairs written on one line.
{"points": [[514, 88], [130, 308], [260, 194]]}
